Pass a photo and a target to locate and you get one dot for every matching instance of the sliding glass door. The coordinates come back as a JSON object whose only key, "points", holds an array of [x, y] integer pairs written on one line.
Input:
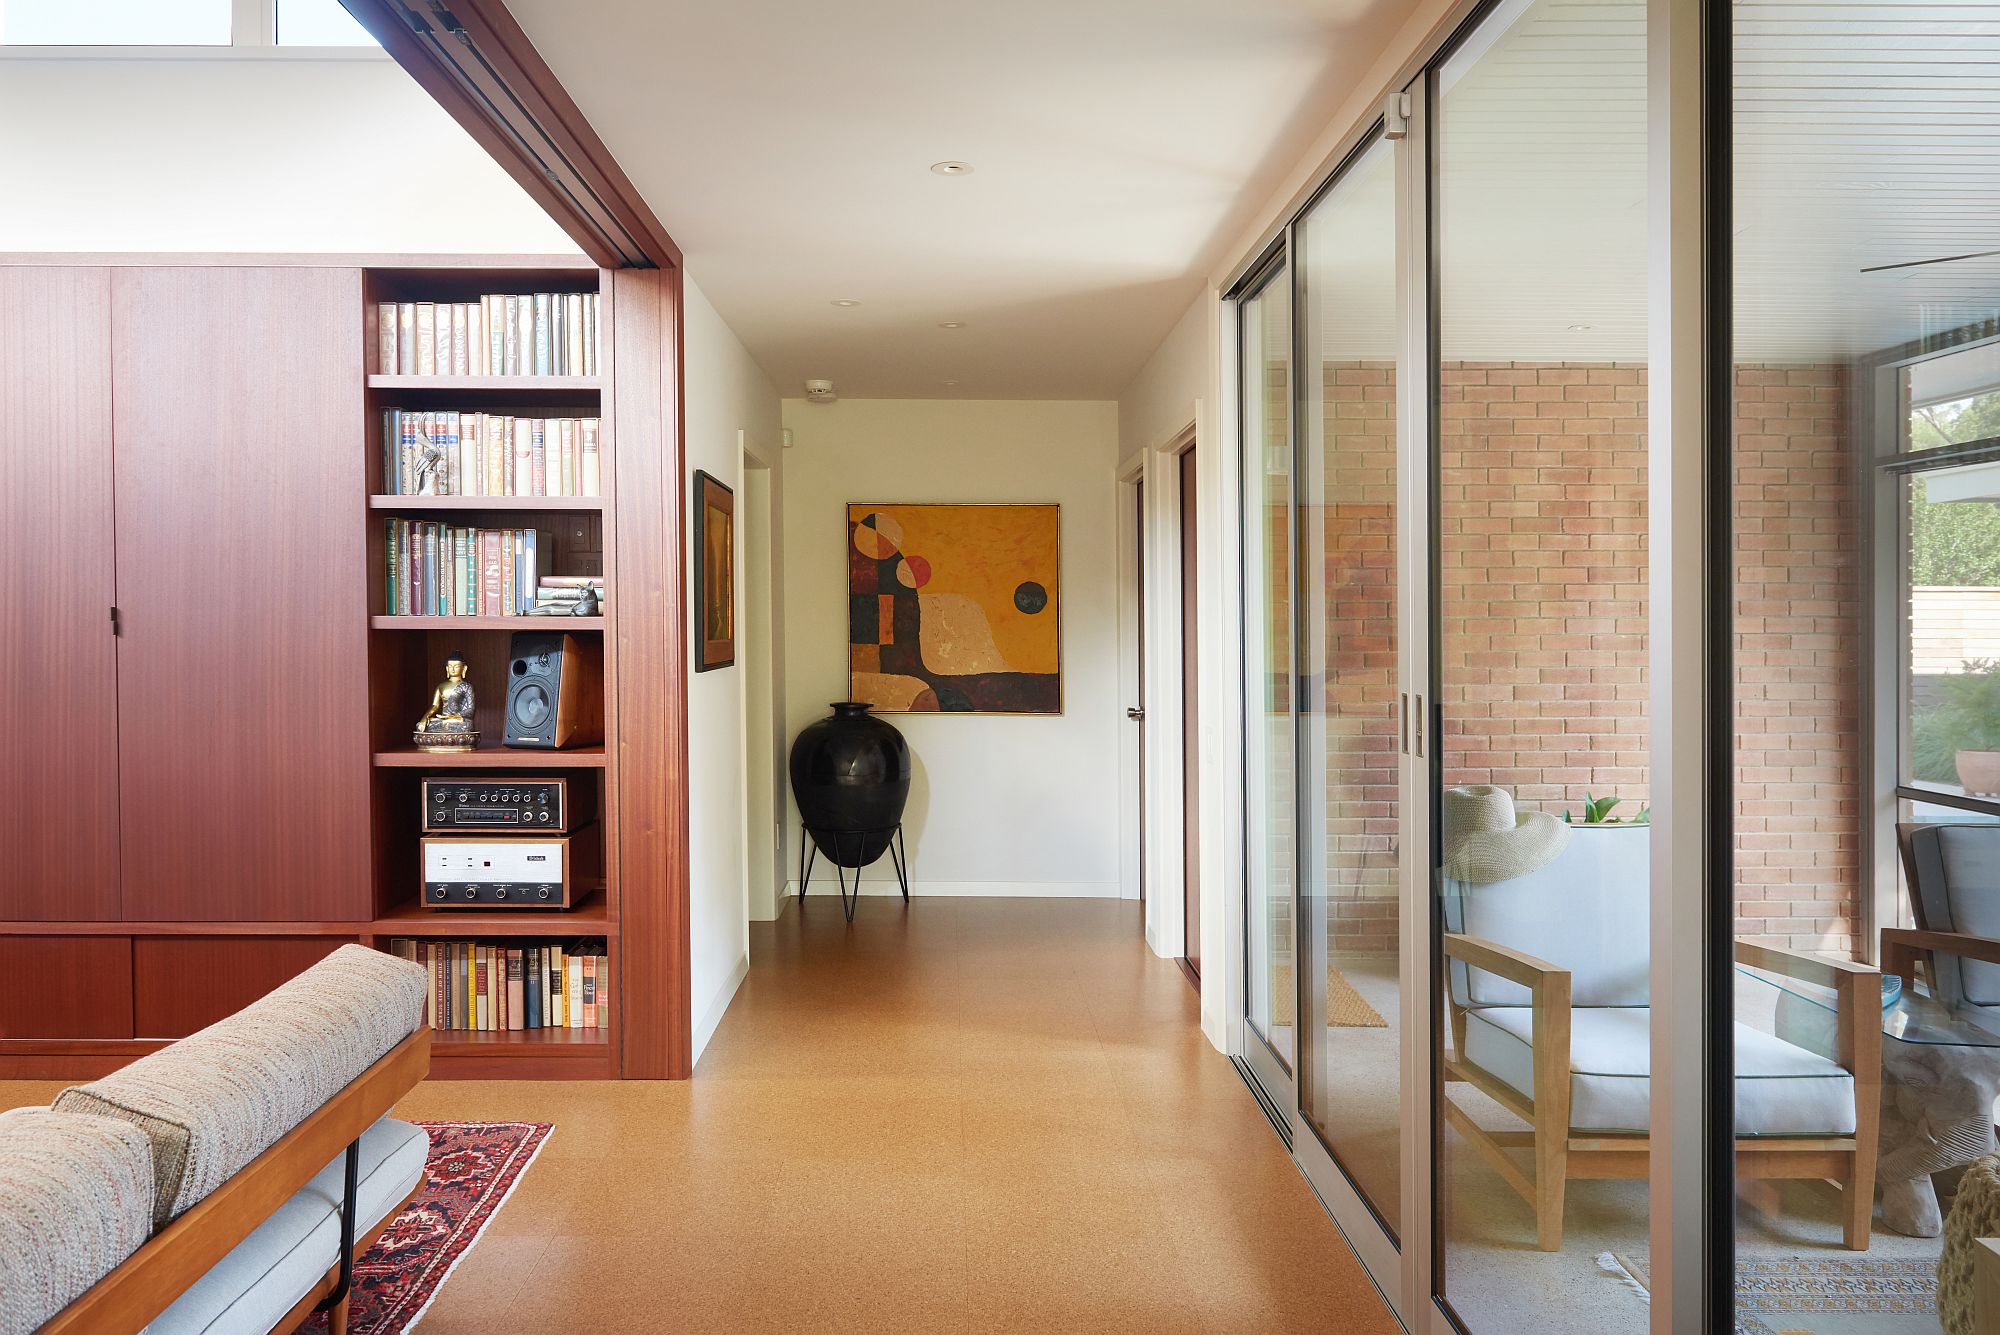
{"points": [[1270, 742]]}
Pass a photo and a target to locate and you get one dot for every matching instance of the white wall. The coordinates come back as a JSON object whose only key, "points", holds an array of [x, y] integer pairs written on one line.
{"points": [[728, 399], [999, 805], [266, 152]]}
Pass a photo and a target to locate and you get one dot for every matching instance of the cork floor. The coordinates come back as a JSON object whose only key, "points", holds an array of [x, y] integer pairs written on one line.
{"points": [[966, 1115]]}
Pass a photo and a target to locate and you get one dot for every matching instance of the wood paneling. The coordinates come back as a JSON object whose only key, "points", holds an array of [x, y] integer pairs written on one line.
{"points": [[65, 987], [59, 793], [184, 983], [242, 699], [650, 648]]}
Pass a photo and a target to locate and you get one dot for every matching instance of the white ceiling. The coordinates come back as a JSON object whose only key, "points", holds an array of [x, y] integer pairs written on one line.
{"points": [[1118, 146]]}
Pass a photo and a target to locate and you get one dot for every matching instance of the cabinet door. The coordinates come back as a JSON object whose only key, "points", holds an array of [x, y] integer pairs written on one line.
{"points": [[59, 786], [242, 701]]}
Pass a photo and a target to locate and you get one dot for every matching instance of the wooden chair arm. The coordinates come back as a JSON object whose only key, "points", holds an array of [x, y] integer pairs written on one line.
{"points": [[1798, 965], [1982, 948], [1513, 965]]}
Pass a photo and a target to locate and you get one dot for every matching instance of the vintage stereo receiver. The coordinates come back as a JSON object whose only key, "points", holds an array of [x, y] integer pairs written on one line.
{"points": [[514, 871], [539, 806]]}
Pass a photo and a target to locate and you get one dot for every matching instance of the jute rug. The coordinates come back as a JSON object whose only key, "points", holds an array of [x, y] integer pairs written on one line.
{"points": [[1345, 1007], [1799, 1296], [472, 1169]]}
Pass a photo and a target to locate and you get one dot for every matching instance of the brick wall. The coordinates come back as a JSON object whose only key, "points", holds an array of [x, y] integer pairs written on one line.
{"points": [[1543, 658], [1798, 572]]}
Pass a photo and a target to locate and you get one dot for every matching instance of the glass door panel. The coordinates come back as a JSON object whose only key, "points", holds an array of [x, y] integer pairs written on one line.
{"points": [[1538, 164], [1270, 743], [1350, 1078]]}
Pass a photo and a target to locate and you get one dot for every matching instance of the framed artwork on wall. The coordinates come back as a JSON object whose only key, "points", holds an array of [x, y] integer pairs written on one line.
{"points": [[714, 508], [955, 609]]}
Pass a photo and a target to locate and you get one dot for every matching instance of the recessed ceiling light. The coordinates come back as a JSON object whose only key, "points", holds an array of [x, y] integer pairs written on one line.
{"points": [[951, 324], [947, 383], [952, 168], [1578, 328], [847, 301]]}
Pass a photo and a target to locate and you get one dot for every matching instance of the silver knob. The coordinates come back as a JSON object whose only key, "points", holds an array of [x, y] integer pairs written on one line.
{"points": [[1136, 714]]}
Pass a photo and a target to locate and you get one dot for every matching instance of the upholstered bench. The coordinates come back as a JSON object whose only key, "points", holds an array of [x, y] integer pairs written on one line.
{"points": [[223, 1183]]}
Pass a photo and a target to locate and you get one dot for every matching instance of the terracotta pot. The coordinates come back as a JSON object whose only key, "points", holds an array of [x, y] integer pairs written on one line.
{"points": [[1979, 772]]}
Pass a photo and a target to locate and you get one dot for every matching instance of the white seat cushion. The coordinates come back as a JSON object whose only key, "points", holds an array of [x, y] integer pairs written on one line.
{"points": [[267, 1273], [1781, 1090]]}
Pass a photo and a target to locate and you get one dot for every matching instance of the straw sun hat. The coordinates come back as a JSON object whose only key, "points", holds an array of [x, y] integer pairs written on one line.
{"points": [[1485, 841]]}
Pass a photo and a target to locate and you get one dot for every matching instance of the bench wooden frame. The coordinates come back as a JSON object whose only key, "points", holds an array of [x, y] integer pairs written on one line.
{"points": [[1558, 1155], [149, 1280]]}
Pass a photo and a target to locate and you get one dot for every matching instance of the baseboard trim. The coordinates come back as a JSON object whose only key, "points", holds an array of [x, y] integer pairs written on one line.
{"points": [[711, 1017], [823, 884]]}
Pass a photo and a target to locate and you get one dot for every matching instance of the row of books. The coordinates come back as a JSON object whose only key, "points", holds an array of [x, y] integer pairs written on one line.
{"points": [[492, 988], [448, 570], [488, 454], [538, 333]]}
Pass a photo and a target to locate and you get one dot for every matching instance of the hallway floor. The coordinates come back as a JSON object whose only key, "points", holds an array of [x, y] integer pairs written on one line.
{"points": [[967, 1115]]}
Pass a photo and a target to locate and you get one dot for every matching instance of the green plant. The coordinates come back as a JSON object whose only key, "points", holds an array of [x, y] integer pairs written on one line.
{"points": [[1965, 717], [1597, 811]]}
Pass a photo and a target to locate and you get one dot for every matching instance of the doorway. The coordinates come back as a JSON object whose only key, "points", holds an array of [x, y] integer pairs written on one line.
{"points": [[1190, 724]]}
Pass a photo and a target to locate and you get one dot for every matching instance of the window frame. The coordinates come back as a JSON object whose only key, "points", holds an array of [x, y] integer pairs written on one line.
{"points": [[253, 33]]}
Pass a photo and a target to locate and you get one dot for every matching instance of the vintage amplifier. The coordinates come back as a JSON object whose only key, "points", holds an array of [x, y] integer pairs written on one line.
{"points": [[514, 871], [540, 806]]}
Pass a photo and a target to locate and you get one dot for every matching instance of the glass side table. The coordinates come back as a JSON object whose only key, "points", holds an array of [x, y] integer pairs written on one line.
{"points": [[1940, 1077]]}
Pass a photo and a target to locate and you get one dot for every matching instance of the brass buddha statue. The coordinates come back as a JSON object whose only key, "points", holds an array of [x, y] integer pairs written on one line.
{"points": [[447, 725]]}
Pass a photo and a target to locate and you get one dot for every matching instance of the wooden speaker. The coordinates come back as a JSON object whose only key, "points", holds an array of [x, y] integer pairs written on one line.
{"points": [[555, 691]]}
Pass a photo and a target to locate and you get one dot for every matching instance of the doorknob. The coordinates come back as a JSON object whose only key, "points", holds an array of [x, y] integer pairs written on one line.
{"points": [[1136, 714]]}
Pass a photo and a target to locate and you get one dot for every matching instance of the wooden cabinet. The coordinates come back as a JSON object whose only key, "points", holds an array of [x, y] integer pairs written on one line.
{"points": [[65, 987], [242, 651], [59, 787], [184, 983]]}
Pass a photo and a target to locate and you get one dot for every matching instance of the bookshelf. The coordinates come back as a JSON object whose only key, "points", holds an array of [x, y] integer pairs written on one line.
{"points": [[220, 830], [407, 651]]}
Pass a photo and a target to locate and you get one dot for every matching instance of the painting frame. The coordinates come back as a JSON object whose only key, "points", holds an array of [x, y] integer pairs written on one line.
{"points": [[714, 602], [1047, 678]]}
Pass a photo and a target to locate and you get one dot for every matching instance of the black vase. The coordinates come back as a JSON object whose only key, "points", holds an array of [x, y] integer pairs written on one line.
{"points": [[851, 775]]}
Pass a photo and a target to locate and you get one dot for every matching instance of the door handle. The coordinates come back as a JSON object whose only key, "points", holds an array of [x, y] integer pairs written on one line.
{"points": [[1136, 714]]}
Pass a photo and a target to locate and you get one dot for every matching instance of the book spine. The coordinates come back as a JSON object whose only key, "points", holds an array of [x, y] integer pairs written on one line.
{"points": [[538, 435], [558, 335], [461, 339], [516, 1002], [531, 988], [591, 365], [475, 338], [573, 333], [604, 989], [406, 339], [566, 454], [573, 996], [524, 457], [442, 354], [426, 338], [590, 991], [557, 996], [494, 454], [541, 334], [524, 334], [385, 338], [471, 477], [589, 471]]}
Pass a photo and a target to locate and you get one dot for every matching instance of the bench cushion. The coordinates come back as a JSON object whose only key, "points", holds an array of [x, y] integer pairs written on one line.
{"points": [[1781, 1089], [76, 1199], [216, 1100], [267, 1274]]}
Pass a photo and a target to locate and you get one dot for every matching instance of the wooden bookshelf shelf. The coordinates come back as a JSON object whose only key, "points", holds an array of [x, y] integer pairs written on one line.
{"points": [[486, 504], [567, 624], [529, 384], [493, 757], [590, 918]]}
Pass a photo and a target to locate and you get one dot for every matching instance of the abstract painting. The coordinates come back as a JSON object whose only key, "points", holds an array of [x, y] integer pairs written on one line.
{"points": [[955, 608], [714, 574]]}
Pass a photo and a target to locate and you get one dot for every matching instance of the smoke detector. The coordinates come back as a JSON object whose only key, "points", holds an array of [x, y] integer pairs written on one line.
{"points": [[820, 391]]}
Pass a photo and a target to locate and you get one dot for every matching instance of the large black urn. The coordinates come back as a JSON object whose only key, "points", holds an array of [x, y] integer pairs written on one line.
{"points": [[851, 775]]}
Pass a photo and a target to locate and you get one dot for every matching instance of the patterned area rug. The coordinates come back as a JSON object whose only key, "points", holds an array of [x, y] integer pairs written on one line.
{"points": [[472, 1169], [1800, 1296]]}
